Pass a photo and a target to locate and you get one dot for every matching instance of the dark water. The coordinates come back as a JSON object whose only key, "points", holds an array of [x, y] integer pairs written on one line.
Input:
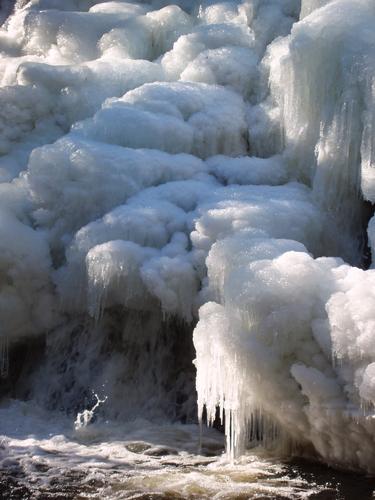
{"points": [[303, 477]]}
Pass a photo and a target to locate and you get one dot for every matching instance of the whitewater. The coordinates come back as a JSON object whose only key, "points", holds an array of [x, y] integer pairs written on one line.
{"points": [[187, 239]]}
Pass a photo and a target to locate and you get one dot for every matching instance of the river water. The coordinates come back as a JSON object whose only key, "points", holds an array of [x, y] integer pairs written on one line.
{"points": [[44, 457]]}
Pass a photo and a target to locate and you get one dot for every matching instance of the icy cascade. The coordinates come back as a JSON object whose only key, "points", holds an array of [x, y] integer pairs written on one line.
{"points": [[130, 207], [322, 77], [48, 84], [146, 104], [277, 310]]}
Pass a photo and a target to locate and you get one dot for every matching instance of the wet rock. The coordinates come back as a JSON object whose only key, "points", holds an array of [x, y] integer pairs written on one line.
{"points": [[137, 447], [158, 451]]}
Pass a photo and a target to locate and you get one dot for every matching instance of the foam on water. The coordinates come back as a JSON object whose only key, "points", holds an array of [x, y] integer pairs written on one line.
{"points": [[46, 456]]}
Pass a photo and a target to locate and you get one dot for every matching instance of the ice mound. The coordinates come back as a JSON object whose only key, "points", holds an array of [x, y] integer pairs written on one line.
{"points": [[234, 67], [60, 34], [204, 39], [154, 231], [21, 107], [173, 117], [25, 117], [247, 170], [237, 209], [54, 73], [147, 242], [79, 90], [75, 181], [27, 304], [149, 225], [307, 321]]}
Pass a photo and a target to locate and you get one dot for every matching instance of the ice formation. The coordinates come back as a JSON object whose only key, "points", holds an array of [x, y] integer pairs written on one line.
{"points": [[199, 165]]}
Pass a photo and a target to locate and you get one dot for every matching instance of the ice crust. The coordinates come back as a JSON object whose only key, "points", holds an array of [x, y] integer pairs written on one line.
{"points": [[205, 162]]}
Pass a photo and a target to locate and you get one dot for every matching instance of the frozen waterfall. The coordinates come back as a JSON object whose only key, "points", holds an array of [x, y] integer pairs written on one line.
{"points": [[192, 183]]}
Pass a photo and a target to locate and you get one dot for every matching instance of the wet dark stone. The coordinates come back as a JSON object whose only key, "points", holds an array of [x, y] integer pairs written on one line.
{"points": [[137, 447], [160, 452]]}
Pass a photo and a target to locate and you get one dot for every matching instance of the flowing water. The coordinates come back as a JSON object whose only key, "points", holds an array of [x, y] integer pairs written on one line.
{"points": [[186, 228], [43, 456]]}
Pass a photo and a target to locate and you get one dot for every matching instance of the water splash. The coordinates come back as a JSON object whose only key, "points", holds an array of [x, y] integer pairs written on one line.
{"points": [[85, 418]]}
